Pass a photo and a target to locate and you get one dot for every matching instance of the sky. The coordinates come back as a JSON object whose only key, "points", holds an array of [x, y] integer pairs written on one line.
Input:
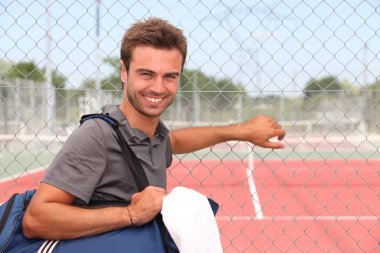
{"points": [[267, 46]]}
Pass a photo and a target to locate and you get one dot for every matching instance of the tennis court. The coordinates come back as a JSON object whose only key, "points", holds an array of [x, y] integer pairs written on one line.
{"points": [[270, 204], [291, 206]]}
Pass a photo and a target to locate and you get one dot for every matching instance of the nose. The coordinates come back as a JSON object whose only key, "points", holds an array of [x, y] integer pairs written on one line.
{"points": [[157, 86]]}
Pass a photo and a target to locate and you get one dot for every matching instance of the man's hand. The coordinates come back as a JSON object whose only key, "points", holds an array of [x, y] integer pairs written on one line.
{"points": [[259, 130], [52, 216], [146, 205]]}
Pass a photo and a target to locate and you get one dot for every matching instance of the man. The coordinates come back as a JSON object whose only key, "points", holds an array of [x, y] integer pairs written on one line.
{"points": [[90, 165]]}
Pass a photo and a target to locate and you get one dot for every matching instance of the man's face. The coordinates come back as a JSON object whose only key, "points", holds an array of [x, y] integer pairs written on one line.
{"points": [[152, 80]]}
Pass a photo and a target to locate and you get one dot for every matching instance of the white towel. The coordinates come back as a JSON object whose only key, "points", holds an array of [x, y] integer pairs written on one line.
{"points": [[190, 221]]}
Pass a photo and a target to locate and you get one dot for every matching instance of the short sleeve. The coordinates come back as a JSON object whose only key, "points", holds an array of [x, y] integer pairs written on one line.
{"points": [[81, 162]]}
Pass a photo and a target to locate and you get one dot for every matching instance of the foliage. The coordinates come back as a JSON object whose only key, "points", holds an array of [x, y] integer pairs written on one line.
{"points": [[220, 92], [29, 71], [4, 66], [58, 79], [374, 86], [350, 89], [317, 86], [25, 71], [89, 84], [112, 82]]}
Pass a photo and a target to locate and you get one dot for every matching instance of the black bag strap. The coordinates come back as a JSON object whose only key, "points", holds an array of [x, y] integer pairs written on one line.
{"points": [[137, 170]]}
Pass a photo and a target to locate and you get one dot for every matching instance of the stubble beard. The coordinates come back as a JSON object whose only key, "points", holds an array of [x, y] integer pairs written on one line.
{"points": [[132, 98]]}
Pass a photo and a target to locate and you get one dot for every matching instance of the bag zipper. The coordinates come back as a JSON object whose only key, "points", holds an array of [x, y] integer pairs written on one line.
{"points": [[6, 212]]}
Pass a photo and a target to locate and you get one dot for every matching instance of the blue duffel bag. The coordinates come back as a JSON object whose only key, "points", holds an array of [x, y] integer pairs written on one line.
{"points": [[150, 237], [12, 212], [140, 239]]}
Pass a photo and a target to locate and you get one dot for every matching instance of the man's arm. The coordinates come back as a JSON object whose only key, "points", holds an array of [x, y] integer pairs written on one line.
{"points": [[258, 130], [51, 215]]}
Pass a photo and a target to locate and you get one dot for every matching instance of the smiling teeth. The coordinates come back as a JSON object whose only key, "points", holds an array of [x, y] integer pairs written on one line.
{"points": [[154, 100]]}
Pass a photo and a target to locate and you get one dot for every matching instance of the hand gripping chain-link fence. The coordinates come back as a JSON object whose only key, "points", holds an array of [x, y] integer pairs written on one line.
{"points": [[312, 65]]}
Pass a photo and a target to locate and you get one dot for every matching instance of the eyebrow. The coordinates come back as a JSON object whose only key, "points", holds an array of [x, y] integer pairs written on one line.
{"points": [[151, 71], [144, 70]]}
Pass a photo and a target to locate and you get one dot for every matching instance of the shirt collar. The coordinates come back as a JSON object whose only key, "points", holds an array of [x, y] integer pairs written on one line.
{"points": [[135, 135]]}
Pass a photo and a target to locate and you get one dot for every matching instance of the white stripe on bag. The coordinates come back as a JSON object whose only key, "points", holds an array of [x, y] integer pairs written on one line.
{"points": [[53, 246], [43, 246], [48, 246]]}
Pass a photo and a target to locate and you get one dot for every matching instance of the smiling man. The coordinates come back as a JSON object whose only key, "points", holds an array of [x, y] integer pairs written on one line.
{"points": [[90, 165], [151, 83]]}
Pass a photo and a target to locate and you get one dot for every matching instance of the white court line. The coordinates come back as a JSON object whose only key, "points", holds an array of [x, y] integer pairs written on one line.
{"points": [[24, 173], [299, 218], [252, 187]]}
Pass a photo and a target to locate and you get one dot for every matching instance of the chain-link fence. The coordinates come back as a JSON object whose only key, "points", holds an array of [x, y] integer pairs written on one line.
{"points": [[313, 65]]}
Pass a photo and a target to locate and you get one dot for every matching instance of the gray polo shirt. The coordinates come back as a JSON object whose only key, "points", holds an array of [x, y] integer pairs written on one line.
{"points": [[90, 165]]}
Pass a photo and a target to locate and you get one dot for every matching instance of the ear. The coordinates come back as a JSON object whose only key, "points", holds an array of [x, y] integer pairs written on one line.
{"points": [[123, 73]]}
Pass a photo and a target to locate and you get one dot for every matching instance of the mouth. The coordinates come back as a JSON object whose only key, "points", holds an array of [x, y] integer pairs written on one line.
{"points": [[153, 100]]}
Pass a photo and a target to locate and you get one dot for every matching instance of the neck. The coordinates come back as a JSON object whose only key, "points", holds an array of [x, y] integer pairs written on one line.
{"points": [[145, 124]]}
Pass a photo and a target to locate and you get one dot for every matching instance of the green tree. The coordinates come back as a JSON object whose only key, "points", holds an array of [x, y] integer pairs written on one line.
{"points": [[112, 82], [329, 84], [89, 84], [25, 71], [374, 86], [350, 88], [61, 93], [29, 71], [372, 105], [58, 80], [218, 91], [4, 66]]}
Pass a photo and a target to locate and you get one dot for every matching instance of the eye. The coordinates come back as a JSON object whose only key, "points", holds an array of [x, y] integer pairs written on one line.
{"points": [[146, 74], [172, 76]]}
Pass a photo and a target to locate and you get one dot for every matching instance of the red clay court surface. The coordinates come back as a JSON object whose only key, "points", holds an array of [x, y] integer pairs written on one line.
{"points": [[305, 206]]}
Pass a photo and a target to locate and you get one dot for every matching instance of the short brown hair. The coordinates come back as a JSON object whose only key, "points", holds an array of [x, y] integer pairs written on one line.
{"points": [[152, 32]]}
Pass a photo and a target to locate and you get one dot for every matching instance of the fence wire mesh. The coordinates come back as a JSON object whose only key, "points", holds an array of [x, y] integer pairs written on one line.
{"points": [[313, 65]]}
